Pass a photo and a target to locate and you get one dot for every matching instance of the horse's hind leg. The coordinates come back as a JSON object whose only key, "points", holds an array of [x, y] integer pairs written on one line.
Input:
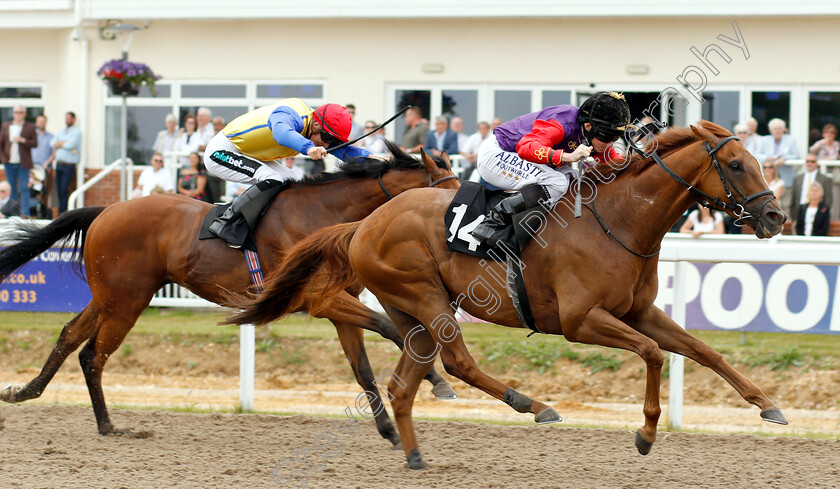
{"points": [[671, 337], [349, 309], [76, 331], [352, 341], [113, 326]]}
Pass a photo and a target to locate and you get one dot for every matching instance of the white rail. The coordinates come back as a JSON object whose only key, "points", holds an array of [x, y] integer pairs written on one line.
{"points": [[74, 197]]}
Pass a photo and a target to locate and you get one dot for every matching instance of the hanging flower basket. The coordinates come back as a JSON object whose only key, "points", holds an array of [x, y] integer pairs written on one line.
{"points": [[125, 77]]}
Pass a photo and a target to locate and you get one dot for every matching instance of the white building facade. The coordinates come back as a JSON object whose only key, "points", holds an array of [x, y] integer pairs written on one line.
{"points": [[722, 61]]}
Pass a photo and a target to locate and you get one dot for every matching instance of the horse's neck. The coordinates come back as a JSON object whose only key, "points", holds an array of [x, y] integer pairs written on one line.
{"points": [[641, 208]]}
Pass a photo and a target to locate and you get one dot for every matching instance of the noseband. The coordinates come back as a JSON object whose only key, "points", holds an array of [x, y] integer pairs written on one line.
{"points": [[736, 205], [430, 183]]}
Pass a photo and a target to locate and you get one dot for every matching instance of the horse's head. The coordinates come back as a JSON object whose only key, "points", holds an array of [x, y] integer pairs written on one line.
{"points": [[736, 181], [440, 177]]}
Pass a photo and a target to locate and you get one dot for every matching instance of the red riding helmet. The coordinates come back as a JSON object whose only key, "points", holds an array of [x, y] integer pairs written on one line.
{"points": [[334, 119]]}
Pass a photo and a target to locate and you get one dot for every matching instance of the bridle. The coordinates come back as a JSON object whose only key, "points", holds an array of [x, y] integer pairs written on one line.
{"points": [[738, 207], [430, 183]]}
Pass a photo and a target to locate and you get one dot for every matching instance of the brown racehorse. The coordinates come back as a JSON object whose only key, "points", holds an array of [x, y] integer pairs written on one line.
{"points": [[133, 248], [589, 285]]}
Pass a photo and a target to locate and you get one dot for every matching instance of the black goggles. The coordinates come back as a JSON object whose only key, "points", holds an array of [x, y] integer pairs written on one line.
{"points": [[604, 136], [328, 138]]}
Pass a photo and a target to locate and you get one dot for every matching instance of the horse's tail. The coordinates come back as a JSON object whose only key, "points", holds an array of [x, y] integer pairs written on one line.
{"points": [[29, 239], [315, 269]]}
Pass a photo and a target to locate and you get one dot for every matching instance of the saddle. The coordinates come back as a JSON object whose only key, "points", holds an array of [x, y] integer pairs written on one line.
{"points": [[465, 212], [244, 222]]}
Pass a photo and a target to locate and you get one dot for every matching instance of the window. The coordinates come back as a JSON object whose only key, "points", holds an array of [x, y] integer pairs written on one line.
{"points": [[228, 99], [770, 105], [511, 103], [28, 96], [721, 108], [556, 97], [463, 104], [825, 109]]}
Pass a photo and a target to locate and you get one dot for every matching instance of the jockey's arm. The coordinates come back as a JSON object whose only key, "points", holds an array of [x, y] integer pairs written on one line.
{"points": [[286, 126], [537, 145], [349, 152]]}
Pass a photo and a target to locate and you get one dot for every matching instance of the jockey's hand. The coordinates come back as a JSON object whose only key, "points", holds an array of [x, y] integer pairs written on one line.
{"points": [[581, 151], [316, 152]]}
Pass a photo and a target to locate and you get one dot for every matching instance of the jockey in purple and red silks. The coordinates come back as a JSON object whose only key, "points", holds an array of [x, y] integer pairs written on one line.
{"points": [[532, 154]]}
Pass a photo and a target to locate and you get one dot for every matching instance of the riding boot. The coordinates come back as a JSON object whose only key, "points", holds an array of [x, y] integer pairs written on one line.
{"points": [[496, 226], [231, 226]]}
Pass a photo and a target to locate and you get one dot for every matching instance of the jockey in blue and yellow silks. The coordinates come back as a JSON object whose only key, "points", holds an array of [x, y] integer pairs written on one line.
{"points": [[247, 150]]}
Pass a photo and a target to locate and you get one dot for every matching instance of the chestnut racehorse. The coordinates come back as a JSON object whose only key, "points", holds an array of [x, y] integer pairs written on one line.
{"points": [[594, 280], [133, 248]]}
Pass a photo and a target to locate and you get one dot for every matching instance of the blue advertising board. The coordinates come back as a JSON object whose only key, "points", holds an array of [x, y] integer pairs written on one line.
{"points": [[756, 297], [48, 283]]}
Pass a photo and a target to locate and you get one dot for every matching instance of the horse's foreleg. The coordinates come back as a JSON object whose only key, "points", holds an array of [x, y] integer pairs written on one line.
{"points": [[74, 333], [655, 324], [599, 327], [353, 344]]}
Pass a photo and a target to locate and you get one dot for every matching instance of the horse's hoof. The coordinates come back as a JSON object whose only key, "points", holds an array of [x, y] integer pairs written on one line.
{"points": [[8, 393], [394, 438], [548, 415], [444, 391], [643, 445], [774, 416], [398, 446], [415, 460]]}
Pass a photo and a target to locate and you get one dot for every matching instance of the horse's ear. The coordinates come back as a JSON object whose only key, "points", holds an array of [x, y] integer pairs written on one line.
{"points": [[430, 165], [705, 135], [445, 157]]}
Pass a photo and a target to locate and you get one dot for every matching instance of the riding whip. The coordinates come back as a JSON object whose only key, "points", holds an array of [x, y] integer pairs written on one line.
{"points": [[380, 126]]}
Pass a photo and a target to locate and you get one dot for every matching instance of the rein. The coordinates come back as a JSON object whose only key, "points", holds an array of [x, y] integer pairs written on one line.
{"points": [[702, 198], [429, 184]]}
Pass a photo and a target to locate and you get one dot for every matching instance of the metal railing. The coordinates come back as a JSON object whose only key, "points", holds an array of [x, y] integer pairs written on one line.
{"points": [[74, 197]]}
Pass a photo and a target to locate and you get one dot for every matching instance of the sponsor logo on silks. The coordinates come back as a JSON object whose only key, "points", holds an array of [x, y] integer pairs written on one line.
{"points": [[228, 159]]}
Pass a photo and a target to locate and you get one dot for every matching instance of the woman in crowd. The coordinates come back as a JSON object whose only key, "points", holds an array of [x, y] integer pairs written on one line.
{"points": [[813, 219], [827, 148], [702, 222], [192, 180], [771, 176], [189, 141]]}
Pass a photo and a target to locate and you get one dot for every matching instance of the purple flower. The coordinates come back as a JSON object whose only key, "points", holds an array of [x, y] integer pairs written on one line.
{"points": [[133, 74]]}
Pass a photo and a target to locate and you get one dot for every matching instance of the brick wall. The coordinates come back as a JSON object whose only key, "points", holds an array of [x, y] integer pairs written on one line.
{"points": [[106, 191]]}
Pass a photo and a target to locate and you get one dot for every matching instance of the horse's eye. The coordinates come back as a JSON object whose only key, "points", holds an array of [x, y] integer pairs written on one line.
{"points": [[735, 165]]}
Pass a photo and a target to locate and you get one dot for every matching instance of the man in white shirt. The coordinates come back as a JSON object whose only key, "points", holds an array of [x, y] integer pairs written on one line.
{"points": [[154, 177], [753, 139], [779, 147], [204, 118], [166, 139], [470, 149], [803, 182], [457, 125]]}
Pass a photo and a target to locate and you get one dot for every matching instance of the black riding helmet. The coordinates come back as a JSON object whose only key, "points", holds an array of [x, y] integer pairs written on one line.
{"points": [[608, 113]]}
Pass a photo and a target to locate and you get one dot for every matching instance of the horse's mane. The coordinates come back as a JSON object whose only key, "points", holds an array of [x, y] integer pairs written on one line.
{"points": [[373, 167], [667, 142]]}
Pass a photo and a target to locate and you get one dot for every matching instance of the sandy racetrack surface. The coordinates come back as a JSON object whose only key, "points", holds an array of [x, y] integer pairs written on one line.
{"points": [[56, 447]]}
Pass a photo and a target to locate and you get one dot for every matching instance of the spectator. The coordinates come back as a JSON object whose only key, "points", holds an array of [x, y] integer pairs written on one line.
{"points": [[771, 177], [494, 123], [17, 138], [167, 138], [470, 149], [297, 172], [218, 124], [42, 156], [416, 129], [441, 139], [8, 206], [742, 132], [192, 180], [457, 126], [780, 147], [813, 219], [827, 148], [67, 144], [702, 222], [205, 128], [189, 141], [753, 139], [803, 182], [355, 128], [375, 143], [154, 176]]}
